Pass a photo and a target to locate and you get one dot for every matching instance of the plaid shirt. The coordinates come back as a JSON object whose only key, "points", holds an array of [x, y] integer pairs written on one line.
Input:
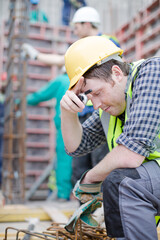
{"points": [[143, 124]]}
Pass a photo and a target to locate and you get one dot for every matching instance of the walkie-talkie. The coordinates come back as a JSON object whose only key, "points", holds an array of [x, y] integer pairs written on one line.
{"points": [[83, 96]]}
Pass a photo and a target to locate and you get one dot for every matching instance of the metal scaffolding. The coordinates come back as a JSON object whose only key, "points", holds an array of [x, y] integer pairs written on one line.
{"points": [[13, 175]]}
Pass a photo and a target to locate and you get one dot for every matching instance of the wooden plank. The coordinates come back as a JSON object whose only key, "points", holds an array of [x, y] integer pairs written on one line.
{"points": [[55, 214], [11, 236], [68, 213], [19, 213], [158, 231]]}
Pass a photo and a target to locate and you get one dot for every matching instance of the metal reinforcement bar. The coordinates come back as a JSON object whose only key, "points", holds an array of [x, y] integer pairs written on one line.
{"points": [[58, 232], [13, 174]]}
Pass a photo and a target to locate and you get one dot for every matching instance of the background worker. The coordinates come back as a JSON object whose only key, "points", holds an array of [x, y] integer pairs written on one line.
{"points": [[69, 8], [63, 165], [127, 99], [35, 14], [86, 22]]}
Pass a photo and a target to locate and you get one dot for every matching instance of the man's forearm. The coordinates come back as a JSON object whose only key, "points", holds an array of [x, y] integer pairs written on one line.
{"points": [[71, 130], [119, 157], [51, 59]]}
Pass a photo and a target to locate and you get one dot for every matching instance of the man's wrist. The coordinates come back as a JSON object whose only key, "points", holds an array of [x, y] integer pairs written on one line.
{"points": [[87, 186], [36, 56], [88, 179]]}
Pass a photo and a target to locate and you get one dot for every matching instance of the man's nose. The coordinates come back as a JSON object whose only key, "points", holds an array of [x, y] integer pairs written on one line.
{"points": [[96, 104]]}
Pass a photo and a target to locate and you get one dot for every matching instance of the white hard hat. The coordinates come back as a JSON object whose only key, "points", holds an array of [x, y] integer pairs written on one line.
{"points": [[63, 69], [86, 14]]}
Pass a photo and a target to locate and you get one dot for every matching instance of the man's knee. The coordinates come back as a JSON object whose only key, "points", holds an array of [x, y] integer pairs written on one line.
{"points": [[113, 180], [111, 185]]}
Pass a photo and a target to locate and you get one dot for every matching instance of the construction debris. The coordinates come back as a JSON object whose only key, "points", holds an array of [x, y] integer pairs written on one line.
{"points": [[57, 231], [82, 231]]}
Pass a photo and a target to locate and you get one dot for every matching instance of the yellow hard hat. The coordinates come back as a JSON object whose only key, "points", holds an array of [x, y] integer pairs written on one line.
{"points": [[85, 53]]}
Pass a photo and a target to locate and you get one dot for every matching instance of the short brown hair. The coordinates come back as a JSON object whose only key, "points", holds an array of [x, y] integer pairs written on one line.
{"points": [[104, 71]]}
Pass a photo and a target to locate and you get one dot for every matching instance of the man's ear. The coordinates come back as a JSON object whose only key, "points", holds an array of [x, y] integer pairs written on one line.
{"points": [[117, 73]]}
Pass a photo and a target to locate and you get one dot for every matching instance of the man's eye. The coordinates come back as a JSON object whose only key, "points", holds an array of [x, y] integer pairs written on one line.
{"points": [[97, 93]]}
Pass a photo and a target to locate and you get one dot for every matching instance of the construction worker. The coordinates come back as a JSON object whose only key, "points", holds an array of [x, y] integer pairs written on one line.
{"points": [[69, 8], [35, 14], [86, 22], [127, 102], [63, 165]]}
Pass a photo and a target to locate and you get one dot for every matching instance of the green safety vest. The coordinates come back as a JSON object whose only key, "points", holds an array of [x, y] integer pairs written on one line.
{"points": [[89, 103], [113, 126]]}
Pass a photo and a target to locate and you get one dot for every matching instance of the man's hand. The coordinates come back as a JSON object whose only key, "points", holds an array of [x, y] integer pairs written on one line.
{"points": [[70, 124], [29, 51], [86, 192], [70, 101]]}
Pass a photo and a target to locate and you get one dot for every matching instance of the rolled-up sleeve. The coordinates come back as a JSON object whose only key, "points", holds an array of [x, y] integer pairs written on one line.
{"points": [[92, 137], [143, 124]]}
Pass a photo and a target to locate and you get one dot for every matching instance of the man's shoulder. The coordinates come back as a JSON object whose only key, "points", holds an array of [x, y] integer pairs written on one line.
{"points": [[147, 71], [151, 61], [146, 63]]}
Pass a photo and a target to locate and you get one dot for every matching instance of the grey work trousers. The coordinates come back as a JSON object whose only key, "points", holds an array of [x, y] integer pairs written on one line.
{"points": [[131, 199]]}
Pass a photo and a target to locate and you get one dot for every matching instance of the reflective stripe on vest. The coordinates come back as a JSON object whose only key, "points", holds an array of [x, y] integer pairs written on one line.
{"points": [[113, 126]]}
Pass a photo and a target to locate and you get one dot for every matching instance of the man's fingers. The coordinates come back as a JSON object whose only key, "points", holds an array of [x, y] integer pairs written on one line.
{"points": [[72, 103], [77, 88], [75, 100]]}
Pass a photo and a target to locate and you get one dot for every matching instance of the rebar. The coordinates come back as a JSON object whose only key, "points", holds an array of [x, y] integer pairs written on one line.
{"points": [[82, 231], [13, 174], [58, 232]]}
